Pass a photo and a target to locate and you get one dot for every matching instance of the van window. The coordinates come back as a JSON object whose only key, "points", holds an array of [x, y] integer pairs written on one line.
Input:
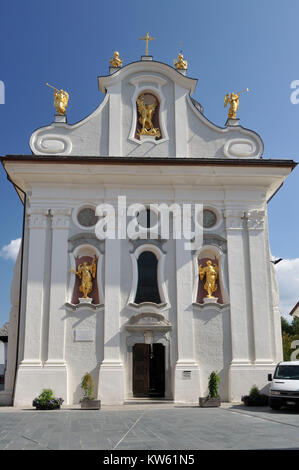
{"points": [[287, 372]]}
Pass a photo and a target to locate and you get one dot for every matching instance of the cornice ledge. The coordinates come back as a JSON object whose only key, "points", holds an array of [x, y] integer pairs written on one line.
{"points": [[217, 306]]}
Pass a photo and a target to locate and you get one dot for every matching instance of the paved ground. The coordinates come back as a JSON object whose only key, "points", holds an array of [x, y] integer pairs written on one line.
{"points": [[150, 427]]}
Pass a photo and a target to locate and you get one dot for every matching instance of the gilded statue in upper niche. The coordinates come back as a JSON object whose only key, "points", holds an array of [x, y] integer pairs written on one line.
{"points": [[146, 112], [210, 271], [86, 273]]}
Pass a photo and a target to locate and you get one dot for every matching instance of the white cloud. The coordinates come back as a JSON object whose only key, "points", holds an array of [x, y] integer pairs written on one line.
{"points": [[11, 250], [287, 272]]}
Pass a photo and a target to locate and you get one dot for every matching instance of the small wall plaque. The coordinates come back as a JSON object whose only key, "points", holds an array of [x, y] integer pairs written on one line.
{"points": [[84, 335], [186, 374]]}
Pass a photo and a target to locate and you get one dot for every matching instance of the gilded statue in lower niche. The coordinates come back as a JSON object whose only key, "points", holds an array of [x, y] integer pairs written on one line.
{"points": [[146, 113], [210, 271], [86, 273]]}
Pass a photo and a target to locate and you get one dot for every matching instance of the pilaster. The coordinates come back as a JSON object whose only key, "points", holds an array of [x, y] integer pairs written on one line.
{"points": [[186, 390], [7, 396], [259, 287], [37, 226], [239, 315], [59, 265], [111, 380], [180, 122], [115, 121], [28, 382]]}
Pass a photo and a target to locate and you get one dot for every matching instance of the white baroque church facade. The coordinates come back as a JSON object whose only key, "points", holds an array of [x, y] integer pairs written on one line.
{"points": [[148, 330]]}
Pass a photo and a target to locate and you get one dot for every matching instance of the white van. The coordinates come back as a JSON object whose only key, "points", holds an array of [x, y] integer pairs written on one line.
{"points": [[284, 388]]}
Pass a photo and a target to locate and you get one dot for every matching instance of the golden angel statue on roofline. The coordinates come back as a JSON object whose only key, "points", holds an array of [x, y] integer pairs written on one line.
{"points": [[86, 273], [116, 61], [61, 98], [146, 105], [210, 271], [233, 101], [180, 63]]}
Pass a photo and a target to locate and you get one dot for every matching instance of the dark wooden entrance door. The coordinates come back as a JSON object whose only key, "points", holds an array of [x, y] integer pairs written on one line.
{"points": [[148, 370], [141, 353]]}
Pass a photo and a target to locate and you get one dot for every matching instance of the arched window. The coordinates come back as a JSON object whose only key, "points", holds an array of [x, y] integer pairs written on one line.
{"points": [[147, 287]]}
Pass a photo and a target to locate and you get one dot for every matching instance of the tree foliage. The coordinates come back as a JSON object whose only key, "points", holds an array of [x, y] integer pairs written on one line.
{"points": [[290, 332], [214, 380], [87, 385]]}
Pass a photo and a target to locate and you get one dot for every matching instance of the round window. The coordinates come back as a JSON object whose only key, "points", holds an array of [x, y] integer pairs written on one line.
{"points": [[147, 218], [209, 218], [86, 217]]}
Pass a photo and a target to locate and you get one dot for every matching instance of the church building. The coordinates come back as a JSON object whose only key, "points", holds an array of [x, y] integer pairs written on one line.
{"points": [[146, 317]]}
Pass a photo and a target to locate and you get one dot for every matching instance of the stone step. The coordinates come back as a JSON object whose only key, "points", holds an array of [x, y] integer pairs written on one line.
{"points": [[148, 401]]}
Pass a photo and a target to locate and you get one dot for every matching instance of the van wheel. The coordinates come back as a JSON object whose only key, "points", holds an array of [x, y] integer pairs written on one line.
{"points": [[275, 406]]}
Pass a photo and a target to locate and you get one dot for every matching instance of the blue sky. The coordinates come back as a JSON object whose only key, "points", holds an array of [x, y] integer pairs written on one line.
{"points": [[229, 45]]}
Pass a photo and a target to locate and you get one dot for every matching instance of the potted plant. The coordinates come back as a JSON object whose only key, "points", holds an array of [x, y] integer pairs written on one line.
{"points": [[88, 402], [213, 399], [47, 401], [255, 398]]}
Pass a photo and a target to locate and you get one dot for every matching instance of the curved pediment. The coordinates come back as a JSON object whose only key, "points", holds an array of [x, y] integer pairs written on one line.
{"points": [[174, 127], [148, 321]]}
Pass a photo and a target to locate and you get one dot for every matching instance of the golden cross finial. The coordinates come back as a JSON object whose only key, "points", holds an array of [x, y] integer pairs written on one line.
{"points": [[147, 38]]}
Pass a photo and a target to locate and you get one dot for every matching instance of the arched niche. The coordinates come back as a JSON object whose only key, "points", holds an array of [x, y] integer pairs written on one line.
{"points": [[81, 253], [152, 84], [148, 305], [213, 253]]}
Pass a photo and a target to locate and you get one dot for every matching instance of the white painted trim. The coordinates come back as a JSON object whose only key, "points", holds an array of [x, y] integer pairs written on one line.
{"points": [[180, 123], [228, 152], [115, 121], [148, 78], [105, 82], [39, 147], [219, 218], [77, 209], [214, 306]]}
